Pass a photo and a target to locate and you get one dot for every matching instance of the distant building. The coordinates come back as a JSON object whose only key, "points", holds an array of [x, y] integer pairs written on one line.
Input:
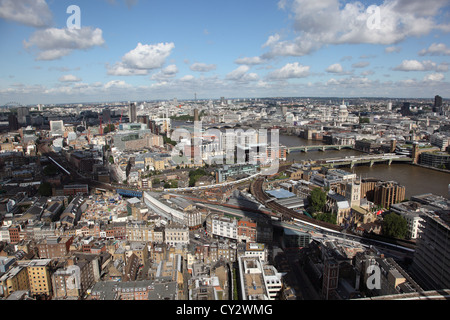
{"points": [[13, 123], [56, 127], [437, 107], [132, 114], [22, 113], [196, 117]]}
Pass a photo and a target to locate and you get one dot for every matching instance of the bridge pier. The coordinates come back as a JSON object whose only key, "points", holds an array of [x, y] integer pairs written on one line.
{"points": [[389, 162], [371, 163], [352, 164]]}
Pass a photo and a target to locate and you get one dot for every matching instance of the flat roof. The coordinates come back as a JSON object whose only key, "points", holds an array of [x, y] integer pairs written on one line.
{"points": [[280, 193]]}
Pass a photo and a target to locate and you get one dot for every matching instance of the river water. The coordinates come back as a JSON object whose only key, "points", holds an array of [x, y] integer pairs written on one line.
{"points": [[417, 180]]}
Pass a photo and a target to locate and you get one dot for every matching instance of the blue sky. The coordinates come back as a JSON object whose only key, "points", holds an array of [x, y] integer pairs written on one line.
{"points": [[145, 50]]}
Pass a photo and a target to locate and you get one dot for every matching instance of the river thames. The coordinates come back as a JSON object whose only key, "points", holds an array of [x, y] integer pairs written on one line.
{"points": [[417, 180]]}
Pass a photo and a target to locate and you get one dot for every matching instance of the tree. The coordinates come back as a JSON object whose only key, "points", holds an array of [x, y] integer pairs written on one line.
{"points": [[317, 199], [109, 128], [364, 120], [394, 226], [326, 217]]}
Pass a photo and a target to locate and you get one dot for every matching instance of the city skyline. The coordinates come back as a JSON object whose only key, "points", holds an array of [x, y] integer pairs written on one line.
{"points": [[151, 50]]}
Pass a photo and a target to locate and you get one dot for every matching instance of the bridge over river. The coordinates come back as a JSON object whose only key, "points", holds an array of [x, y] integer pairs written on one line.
{"points": [[386, 158], [320, 147]]}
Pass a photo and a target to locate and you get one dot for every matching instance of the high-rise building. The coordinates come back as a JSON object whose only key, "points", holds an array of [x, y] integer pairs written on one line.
{"points": [[132, 115], [13, 123], [196, 118], [437, 107], [106, 114], [406, 109], [22, 113], [431, 258]]}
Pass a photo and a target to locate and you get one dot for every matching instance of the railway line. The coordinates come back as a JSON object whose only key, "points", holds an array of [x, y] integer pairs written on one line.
{"points": [[256, 189]]}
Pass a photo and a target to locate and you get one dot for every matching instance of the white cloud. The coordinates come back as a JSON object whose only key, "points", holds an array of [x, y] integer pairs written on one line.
{"points": [[436, 49], [54, 43], [240, 74], [271, 40], [393, 49], [434, 77], [168, 72], [69, 78], [249, 60], [142, 59], [34, 13], [202, 67], [146, 56], [290, 70], [415, 65], [116, 84], [187, 77], [335, 68], [119, 69], [361, 64], [320, 23]]}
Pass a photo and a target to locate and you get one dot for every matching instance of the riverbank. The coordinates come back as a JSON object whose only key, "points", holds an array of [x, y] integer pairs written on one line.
{"points": [[432, 168]]}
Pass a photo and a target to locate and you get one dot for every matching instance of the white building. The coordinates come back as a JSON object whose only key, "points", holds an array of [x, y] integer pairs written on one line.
{"points": [[224, 227], [176, 234], [258, 281], [56, 127], [411, 211]]}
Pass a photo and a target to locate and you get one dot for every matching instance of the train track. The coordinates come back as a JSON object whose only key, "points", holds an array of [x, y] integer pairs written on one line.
{"points": [[256, 189]]}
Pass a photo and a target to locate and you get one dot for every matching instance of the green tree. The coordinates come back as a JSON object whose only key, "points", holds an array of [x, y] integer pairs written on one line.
{"points": [[109, 128], [317, 199], [326, 217], [194, 175], [394, 225], [364, 120]]}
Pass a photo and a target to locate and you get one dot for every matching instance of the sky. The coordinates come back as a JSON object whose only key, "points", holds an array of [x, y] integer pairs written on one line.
{"points": [[133, 50]]}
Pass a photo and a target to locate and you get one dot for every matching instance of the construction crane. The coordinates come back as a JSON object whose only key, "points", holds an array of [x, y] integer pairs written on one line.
{"points": [[120, 120]]}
